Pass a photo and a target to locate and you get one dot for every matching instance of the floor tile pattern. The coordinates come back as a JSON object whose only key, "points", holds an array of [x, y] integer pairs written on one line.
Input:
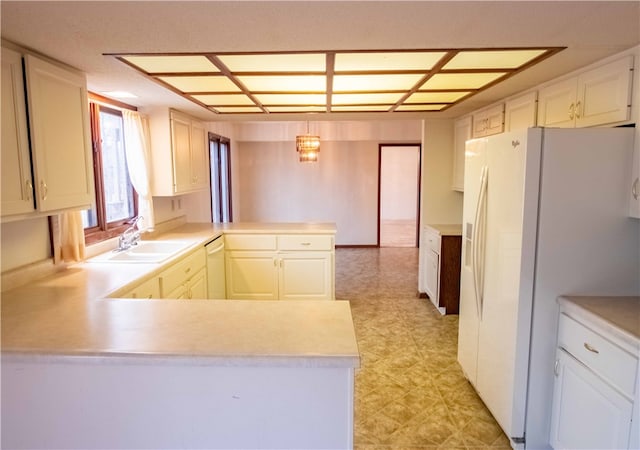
{"points": [[410, 391]]}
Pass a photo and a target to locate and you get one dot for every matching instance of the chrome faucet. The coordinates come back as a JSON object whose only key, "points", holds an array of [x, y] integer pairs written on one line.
{"points": [[130, 237]]}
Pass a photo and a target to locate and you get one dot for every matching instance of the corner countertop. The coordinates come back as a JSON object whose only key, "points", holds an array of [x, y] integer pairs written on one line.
{"points": [[620, 315], [446, 229], [67, 317]]}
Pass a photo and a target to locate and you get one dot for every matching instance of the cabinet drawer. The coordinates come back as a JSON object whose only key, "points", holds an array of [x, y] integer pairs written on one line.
{"points": [[305, 242], [600, 355], [181, 271], [433, 240], [250, 242], [146, 289]]}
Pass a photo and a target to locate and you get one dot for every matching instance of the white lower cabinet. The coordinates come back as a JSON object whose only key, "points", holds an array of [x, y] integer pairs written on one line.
{"points": [[280, 267], [588, 413], [185, 279], [305, 276], [593, 389], [251, 275]]}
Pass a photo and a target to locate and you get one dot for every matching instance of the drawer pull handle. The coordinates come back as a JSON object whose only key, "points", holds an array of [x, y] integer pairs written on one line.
{"points": [[187, 270], [555, 368], [590, 348], [305, 243]]}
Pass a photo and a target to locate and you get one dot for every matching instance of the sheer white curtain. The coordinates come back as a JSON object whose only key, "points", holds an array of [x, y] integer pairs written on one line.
{"points": [[138, 154]]}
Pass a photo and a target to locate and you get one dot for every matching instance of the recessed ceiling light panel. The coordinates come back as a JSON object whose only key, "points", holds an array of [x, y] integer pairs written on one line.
{"points": [[301, 62], [355, 83], [285, 83], [201, 84], [386, 61], [470, 81], [499, 59]]}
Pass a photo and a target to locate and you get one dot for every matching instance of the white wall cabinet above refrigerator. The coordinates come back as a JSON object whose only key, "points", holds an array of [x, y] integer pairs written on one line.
{"points": [[179, 153], [596, 97], [58, 122], [488, 121], [520, 112]]}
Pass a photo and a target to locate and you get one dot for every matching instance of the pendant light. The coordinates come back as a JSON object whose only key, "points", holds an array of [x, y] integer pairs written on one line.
{"points": [[308, 146]]}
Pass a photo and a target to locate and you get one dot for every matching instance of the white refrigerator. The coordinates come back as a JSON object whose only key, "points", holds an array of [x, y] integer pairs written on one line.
{"points": [[545, 214]]}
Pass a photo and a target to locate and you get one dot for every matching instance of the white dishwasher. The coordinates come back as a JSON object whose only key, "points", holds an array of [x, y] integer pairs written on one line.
{"points": [[215, 269]]}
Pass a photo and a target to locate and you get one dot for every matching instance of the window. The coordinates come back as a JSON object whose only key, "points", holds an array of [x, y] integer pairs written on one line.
{"points": [[115, 204], [219, 157]]}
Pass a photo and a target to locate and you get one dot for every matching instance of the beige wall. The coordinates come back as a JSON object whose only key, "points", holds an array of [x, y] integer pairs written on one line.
{"points": [[342, 187]]}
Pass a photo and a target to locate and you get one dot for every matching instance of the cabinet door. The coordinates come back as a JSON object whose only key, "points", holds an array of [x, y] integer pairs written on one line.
{"points": [[433, 276], [60, 138], [251, 275], [305, 276], [556, 104], [604, 94], [17, 186], [181, 152], [147, 289], [179, 293], [199, 159], [520, 113], [489, 122], [587, 413], [461, 133], [197, 286]]}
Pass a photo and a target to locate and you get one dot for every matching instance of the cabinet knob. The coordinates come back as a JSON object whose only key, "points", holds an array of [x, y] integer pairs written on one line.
{"points": [[572, 108], [28, 189], [578, 108], [44, 190]]}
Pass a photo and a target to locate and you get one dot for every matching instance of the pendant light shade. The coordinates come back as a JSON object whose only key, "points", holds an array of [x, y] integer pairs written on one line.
{"points": [[308, 146]]}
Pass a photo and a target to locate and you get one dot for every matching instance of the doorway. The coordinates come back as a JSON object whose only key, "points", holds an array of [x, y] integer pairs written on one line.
{"points": [[398, 195], [220, 157]]}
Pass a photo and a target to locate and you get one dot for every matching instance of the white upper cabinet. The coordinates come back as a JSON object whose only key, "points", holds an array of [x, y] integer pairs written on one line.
{"points": [[179, 153], [461, 132], [520, 112], [60, 153], [60, 136], [17, 185], [488, 121], [596, 97]]}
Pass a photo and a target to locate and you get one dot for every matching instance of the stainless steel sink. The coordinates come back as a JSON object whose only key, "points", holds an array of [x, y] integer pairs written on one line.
{"points": [[143, 252]]}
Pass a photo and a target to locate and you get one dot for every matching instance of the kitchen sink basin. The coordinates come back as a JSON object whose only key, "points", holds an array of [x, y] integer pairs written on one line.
{"points": [[157, 247], [143, 252]]}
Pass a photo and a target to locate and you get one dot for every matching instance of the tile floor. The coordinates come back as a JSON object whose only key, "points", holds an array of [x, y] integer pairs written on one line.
{"points": [[410, 391]]}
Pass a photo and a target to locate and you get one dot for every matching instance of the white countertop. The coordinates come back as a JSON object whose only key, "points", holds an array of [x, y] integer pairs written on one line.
{"points": [[66, 316]]}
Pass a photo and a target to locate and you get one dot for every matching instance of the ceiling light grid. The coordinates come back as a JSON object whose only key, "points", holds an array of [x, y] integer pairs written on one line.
{"points": [[334, 81]]}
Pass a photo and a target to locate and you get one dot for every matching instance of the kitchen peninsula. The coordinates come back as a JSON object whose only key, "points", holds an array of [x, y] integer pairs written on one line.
{"points": [[83, 371]]}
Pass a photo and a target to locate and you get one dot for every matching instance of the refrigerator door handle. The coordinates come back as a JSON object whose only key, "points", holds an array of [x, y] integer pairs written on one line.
{"points": [[477, 249]]}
